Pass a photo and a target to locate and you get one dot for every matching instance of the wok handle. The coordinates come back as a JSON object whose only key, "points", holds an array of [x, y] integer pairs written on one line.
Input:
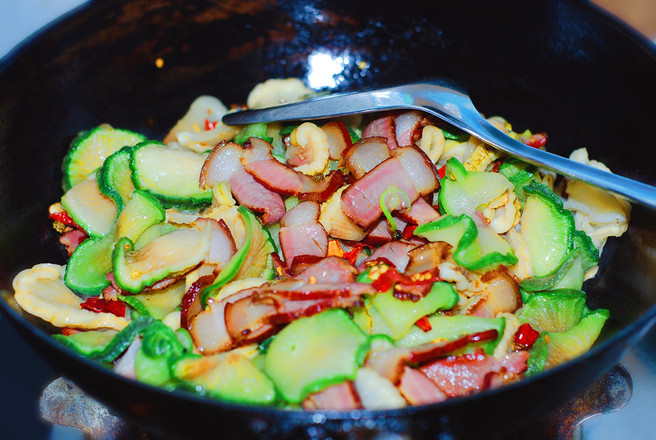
{"points": [[610, 393]]}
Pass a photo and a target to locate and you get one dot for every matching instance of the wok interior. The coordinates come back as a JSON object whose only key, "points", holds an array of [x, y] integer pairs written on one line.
{"points": [[549, 66]]}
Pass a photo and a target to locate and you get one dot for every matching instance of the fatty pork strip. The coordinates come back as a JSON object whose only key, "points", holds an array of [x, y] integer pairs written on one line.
{"points": [[252, 314], [301, 233], [408, 169]]}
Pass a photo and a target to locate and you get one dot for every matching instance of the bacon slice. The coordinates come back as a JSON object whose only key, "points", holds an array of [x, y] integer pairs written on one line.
{"points": [[382, 127], [420, 212], [365, 154], [391, 363], [500, 294], [338, 137], [427, 257], [208, 328], [222, 244], [463, 375], [260, 308], [256, 197], [340, 397], [329, 270], [419, 389], [190, 306], [222, 163], [301, 233], [419, 167], [406, 126], [380, 234], [361, 201], [72, 239], [276, 176], [394, 251], [320, 190]]}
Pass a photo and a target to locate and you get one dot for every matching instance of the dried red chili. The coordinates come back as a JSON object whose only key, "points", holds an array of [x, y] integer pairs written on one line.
{"points": [[99, 305]]}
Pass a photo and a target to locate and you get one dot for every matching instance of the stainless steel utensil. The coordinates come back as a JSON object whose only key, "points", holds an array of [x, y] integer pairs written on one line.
{"points": [[447, 101]]}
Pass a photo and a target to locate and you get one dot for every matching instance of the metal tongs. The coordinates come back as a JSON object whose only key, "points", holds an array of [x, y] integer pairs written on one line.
{"points": [[447, 101]]}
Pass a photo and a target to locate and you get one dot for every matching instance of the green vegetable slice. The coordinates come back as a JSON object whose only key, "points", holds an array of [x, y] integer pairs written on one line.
{"points": [[230, 377], [89, 343], [167, 255], [552, 349], [115, 177], [313, 353], [87, 269], [402, 314], [159, 349], [454, 327], [90, 209], [463, 192], [253, 130], [548, 229], [112, 349], [159, 303], [140, 213], [89, 150], [171, 174], [475, 247], [554, 311]]}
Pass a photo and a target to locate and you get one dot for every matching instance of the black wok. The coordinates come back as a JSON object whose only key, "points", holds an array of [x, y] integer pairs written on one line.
{"points": [[556, 66]]}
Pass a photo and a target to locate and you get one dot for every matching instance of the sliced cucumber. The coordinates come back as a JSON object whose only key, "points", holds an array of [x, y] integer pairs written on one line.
{"points": [[230, 377], [253, 259], [160, 347], [475, 247], [141, 212], [453, 327], [555, 311], [153, 232], [313, 353], [87, 269], [519, 173], [469, 190], [90, 209], [370, 321], [258, 261], [548, 229], [171, 174], [167, 255], [159, 303], [90, 343], [115, 177], [89, 150], [589, 253], [402, 314], [552, 349]]}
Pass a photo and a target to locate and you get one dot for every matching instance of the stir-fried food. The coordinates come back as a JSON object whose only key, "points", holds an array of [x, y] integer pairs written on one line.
{"points": [[375, 262]]}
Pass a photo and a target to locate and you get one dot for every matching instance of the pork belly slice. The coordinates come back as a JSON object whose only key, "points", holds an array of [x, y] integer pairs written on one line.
{"points": [[301, 233], [251, 194]]}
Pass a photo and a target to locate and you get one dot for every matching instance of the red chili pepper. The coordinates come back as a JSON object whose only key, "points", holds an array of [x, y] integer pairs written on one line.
{"points": [[67, 331], [352, 255], [442, 172], [536, 140], [405, 287], [496, 166], [526, 336], [210, 125], [424, 324], [64, 218], [100, 305], [409, 231]]}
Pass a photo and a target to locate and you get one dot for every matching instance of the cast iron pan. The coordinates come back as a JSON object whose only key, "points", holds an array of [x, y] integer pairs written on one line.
{"points": [[555, 66]]}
